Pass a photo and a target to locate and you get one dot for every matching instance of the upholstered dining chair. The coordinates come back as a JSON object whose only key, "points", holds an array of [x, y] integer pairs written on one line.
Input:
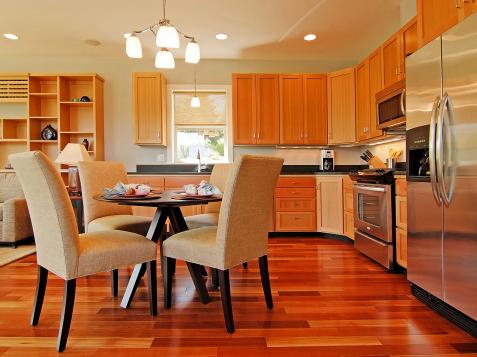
{"points": [[64, 252], [241, 234], [101, 216]]}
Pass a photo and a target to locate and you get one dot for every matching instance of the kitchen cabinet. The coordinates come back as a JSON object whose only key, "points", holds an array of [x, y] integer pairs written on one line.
{"points": [[341, 107], [348, 208], [375, 85], [291, 109], [295, 205], [391, 57], [436, 16], [149, 108], [470, 6], [255, 106], [362, 101], [401, 221], [329, 204], [315, 110]]}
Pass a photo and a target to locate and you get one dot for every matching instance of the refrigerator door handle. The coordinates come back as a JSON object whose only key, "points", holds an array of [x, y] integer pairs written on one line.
{"points": [[432, 151], [448, 105]]}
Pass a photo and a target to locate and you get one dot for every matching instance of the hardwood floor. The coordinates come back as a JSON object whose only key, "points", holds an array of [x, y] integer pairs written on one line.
{"points": [[328, 301]]}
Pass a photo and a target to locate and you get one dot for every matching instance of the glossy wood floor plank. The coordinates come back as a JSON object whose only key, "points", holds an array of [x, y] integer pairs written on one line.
{"points": [[328, 301]]}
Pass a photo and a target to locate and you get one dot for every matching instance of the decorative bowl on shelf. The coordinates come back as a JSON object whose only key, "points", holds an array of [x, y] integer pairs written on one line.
{"points": [[85, 99], [49, 133]]}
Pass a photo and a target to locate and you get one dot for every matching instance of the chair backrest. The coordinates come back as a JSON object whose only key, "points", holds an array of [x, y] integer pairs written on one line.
{"points": [[51, 213], [95, 176], [218, 178], [247, 204], [10, 187]]}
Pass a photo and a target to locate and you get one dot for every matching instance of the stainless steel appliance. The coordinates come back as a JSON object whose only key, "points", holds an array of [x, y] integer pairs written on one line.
{"points": [[327, 160], [391, 106], [373, 215], [442, 195]]}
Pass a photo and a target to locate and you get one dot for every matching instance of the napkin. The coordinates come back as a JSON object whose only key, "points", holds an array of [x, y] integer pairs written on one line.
{"points": [[124, 188], [202, 189]]}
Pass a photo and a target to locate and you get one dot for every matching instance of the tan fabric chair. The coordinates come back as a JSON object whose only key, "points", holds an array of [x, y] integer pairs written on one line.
{"points": [[64, 252], [15, 222], [218, 178], [241, 234]]}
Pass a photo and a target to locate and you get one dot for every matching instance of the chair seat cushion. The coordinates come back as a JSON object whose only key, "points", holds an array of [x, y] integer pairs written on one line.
{"points": [[1, 211], [122, 222], [107, 250], [202, 220], [195, 246]]}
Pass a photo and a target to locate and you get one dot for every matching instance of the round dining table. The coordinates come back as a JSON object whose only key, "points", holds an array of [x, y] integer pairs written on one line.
{"points": [[168, 206]]}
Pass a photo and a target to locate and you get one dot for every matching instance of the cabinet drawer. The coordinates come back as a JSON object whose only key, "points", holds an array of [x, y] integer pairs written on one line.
{"points": [[401, 187], [295, 192], [348, 225], [348, 205], [401, 247], [295, 205], [295, 222], [401, 212], [296, 182]]}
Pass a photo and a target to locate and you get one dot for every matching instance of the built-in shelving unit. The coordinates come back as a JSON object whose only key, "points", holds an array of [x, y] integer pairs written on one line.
{"points": [[30, 102]]}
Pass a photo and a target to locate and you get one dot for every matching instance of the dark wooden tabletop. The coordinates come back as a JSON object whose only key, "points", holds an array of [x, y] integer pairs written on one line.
{"points": [[165, 199]]}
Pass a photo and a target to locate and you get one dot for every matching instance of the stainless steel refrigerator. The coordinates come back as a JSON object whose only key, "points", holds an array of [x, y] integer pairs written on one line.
{"points": [[441, 123]]}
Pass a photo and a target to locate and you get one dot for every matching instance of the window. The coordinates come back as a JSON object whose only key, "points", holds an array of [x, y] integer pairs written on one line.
{"points": [[201, 129]]}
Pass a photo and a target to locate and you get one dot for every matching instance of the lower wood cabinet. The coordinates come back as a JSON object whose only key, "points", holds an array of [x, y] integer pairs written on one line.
{"points": [[401, 222], [295, 222], [348, 208], [348, 224], [329, 204], [401, 247]]}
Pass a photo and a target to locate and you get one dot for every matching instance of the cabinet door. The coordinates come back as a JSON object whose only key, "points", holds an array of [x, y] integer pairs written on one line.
{"points": [[391, 60], [362, 101], [268, 109], [291, 109], [401, 247], [149, 108], [315, 114], [401, 212], [375, 85], [435, 17], [329, 204], [348, 225], [470, 6], [244, 108], [341, 107], [348, 198]]}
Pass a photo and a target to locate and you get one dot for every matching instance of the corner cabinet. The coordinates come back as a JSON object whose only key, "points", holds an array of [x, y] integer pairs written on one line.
{"points": [[329, 204], [255, 102], [149, 108], [341, 107]]}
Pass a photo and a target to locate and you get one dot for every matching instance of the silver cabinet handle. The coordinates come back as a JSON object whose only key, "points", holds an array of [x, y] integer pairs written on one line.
{"points": [[403, 106], [446, 105], [432, 151]]}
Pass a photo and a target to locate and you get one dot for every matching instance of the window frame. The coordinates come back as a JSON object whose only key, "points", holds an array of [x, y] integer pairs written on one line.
{"points": [[227, 89]]}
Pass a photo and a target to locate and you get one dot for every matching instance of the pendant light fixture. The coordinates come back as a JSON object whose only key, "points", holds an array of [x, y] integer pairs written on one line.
{"points": [[195, 101], [167, 36]]}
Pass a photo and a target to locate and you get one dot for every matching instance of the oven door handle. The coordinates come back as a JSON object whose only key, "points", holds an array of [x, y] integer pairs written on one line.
{"points": [[368, 188]]}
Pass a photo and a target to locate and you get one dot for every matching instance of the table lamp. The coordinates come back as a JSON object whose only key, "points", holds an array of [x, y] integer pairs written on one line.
{"points": [[71, 155]]}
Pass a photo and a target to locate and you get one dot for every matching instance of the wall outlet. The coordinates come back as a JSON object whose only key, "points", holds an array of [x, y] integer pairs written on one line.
{"points": [[161, 158]]}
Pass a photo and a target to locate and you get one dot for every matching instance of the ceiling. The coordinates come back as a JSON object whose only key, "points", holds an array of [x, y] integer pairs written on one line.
{"points": [[257, 29]]}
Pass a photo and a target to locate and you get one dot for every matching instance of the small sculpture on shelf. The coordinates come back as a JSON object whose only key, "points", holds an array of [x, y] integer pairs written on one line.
{"points": [[49, 133], [85, 144]]}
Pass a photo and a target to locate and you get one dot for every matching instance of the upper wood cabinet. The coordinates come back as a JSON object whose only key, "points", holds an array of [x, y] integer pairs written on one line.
{"points": [[470, 6], [341, 107], [436, 16], [362, 101], [375, 85], [149, 108], [255, 104], [315, 110], [391, 54], [291, 109]]}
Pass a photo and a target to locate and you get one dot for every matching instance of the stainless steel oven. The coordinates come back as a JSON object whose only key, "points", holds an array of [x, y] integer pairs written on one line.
{"points": [[373, 221], [391, 106]]}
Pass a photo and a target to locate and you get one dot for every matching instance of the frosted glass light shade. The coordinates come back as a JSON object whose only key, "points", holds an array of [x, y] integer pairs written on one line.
{"points": [[192, 53], [164, 59], [195, 102], [133, 46], [167, 36], [72, 154]]}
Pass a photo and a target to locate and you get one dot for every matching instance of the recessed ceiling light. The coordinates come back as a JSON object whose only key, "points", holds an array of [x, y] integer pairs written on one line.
{"points": [[221, 36], [310, 37], [126, 35], [10, 36]]}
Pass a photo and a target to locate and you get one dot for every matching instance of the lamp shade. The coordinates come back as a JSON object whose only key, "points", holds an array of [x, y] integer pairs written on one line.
{"points": [[192, 53], [195, 102], [133, 46], [72, 154], [164, 59], [167, 36]]}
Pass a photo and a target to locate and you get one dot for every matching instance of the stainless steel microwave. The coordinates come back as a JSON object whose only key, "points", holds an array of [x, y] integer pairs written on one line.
{"points": [[391, 105]]}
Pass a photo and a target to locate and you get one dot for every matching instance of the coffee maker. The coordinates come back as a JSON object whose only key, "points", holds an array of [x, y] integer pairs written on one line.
{"points": [[327, 162]]}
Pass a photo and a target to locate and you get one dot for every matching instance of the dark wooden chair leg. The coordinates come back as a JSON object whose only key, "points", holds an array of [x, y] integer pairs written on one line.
{"points": [[167, 280], [203, 271], [152, 285], [263, 263], [13, 245], [114, 282], [199, 283], [224, 283], [215, 278], [245, 265], [41, 281], [66, 314]]}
